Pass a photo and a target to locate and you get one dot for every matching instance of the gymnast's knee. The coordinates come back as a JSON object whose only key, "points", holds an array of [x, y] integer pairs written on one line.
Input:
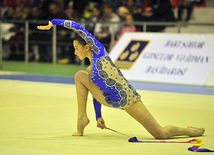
{"points": [[80, 75]]}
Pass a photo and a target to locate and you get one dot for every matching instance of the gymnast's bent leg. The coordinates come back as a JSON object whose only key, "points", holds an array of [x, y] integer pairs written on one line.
{"points": [[83, 85], [140, 113]]}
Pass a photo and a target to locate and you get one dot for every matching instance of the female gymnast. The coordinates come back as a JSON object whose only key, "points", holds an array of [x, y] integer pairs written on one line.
{"points": [[108, 86]]}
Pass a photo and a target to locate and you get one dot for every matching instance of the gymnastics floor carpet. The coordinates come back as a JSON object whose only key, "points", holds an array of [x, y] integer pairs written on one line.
{"points": [[38, 118]]}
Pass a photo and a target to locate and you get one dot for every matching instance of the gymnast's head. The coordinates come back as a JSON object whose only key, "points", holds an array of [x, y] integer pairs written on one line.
{"points": [[82, 49]]}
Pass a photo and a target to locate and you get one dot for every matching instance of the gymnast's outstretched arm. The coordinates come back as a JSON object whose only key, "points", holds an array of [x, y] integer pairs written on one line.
{"points": [[97, 48]]}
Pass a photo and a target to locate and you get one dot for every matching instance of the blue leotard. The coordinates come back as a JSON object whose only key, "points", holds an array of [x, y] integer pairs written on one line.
{"points": [[117, 91]]}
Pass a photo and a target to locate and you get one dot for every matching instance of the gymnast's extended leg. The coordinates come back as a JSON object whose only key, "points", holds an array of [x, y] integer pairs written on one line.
{"points": [[137, 110], [140, 113]]}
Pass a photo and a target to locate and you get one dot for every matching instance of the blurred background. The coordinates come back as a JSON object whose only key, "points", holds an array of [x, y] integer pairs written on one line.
{"points": [[175, 72], [21, 43]]}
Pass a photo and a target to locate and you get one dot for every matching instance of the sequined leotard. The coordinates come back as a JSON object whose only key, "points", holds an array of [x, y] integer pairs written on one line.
{"points": [[117, 91]]}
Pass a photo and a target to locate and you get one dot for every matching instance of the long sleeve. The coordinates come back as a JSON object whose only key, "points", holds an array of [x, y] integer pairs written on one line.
{"points": [[97, 108], [97, 48]]}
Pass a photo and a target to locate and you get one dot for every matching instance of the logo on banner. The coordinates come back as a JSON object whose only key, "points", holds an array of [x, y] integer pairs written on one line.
{"points": [[130, 54]]}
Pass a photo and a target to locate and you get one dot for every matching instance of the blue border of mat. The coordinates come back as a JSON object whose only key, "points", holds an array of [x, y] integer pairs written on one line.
{"points": [[137, 85]]}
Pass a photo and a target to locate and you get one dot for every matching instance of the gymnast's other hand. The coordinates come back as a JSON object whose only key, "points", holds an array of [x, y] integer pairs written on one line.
{"points": [[101, 123], [47, 27]]}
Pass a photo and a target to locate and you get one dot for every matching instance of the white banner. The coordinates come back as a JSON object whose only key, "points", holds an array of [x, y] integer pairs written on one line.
{"points": [[170, 58]]}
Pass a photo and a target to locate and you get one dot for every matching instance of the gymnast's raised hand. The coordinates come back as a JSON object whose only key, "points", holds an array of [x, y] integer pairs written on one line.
{"points": [[47, 27]]}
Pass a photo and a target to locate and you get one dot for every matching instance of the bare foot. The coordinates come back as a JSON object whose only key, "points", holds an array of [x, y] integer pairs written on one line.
{"points": [[194, 132], [81, 124]]}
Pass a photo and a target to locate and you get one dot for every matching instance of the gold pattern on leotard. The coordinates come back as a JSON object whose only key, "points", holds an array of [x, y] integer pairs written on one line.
{"points": [[114, 78], [67, 24]]}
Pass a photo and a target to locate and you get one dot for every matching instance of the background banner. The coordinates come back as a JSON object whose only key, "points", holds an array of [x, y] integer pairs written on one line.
{"points": [[170, 58]]}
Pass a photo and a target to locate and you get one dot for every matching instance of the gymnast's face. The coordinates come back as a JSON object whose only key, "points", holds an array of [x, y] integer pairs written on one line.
{"points": [[82, 51]]}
